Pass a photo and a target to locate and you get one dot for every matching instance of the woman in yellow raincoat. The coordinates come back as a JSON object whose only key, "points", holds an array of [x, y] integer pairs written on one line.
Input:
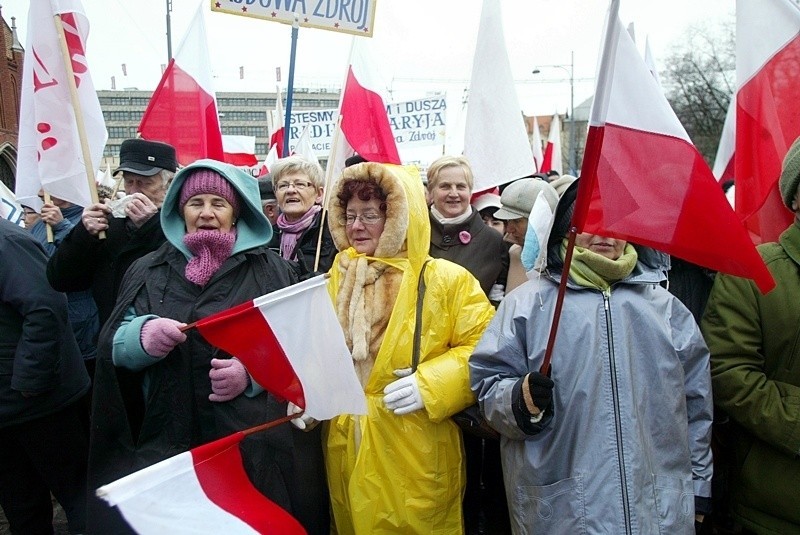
{"points": [[399, 468]]}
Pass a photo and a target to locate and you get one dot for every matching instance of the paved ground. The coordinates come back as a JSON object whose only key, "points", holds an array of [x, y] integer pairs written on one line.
{"points": [[59, 522]]}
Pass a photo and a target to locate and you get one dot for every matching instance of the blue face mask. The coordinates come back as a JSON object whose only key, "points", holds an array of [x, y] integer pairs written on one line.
{"points": [[531, 249]]}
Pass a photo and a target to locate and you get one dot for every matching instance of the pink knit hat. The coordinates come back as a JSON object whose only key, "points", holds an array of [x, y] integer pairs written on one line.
{"points": [[207, 181]]}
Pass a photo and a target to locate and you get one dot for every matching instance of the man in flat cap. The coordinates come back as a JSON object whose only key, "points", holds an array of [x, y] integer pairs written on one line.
{"points": [[132, 226], [755, 374]]}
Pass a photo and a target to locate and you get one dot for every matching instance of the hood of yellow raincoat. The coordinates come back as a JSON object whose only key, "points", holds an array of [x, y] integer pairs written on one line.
{"points": [[407, 227]]}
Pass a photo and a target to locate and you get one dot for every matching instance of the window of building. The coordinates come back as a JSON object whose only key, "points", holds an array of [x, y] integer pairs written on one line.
{"points": [[118, 131]]}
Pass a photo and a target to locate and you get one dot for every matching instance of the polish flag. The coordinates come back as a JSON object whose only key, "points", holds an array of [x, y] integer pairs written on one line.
{"points": [[202, 490], [767, 109], [642, 179], [552, 152], [536, 145], [240, 150], [269, 161], [276, 140], [313, 369], [495, 140], [50, 153], [364, 124], [183, 108], [725, 161]]}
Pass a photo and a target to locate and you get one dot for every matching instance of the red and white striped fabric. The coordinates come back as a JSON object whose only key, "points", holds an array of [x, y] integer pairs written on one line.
{"points": [[642, 178], [767, 110], [552, 152], [364, 126], [183, 108], [50, 153], [304, 361], [276, 139], [205, 490], [495, 140], [239, 150]]}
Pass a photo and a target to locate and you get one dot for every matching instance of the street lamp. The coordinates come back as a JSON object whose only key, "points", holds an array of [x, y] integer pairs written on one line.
{"points": [[570, 70]]}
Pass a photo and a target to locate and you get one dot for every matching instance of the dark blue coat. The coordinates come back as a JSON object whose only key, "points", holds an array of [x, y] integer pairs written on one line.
{"points": [[38, 352]]}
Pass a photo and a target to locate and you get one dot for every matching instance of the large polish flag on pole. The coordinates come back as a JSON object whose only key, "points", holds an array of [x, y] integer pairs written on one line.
{"points": [[495, 140], [50, 153], [767, 109], [204, 490], [552, 152], [313, 369], [363, 122], [642, 178], [183, 108]]}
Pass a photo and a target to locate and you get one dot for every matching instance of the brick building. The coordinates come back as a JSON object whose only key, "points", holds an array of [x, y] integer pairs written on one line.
{"points": [[10, 85]]}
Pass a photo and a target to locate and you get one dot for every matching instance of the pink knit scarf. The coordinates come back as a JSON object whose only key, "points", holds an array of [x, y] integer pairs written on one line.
{"points": [[290, 231], [210, 249]]}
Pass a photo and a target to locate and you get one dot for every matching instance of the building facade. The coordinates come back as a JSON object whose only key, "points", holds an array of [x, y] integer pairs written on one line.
{"points": [[10, 87], [243, 114]]}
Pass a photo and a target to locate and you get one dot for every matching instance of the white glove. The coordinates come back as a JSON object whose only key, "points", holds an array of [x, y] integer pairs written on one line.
{"points": [[497, 292], [304, 422], [402, 396]]}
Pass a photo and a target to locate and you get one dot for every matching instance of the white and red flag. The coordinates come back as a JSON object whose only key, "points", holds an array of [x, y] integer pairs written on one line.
{"points": [[767, 109], [642, 178], [205, 490], [276, 140], [311, 368], [183, 108], [364, 126], [240, 150], [50, 151], [536, 145], [552, 152], [725, 161], [495, 140], [269, 161]]}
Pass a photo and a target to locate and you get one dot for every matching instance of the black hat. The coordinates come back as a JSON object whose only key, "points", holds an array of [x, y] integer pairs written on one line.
{"points": [[354, 160], [146, 157], [265, 188]]}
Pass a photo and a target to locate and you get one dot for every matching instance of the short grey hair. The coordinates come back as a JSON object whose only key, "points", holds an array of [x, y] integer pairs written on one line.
{"points": [[297, 164]]}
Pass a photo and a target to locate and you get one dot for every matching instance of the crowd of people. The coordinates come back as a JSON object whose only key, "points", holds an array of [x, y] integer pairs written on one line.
{"points": [[445, 298]]}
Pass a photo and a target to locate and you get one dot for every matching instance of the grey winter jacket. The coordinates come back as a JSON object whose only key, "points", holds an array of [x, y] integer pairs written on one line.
{"points": [[628, 447]]}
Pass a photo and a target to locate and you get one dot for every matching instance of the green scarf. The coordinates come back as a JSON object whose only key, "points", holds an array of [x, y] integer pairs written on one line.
{"points": [[592, 270]]}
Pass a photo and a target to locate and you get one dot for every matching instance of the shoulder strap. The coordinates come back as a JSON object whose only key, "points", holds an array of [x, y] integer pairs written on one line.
{"points": [[418, 318]]}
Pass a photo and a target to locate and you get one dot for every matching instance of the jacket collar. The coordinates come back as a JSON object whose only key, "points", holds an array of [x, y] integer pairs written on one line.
{"points": [[790, 241]]}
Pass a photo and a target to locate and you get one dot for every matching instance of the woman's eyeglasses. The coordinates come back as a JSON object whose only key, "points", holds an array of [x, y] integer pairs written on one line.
{"points": [[366, 219], [299, 185]]}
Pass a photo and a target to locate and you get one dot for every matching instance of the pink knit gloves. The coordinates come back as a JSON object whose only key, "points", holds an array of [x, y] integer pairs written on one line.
{"points": [[229, 378], [159, 336]]}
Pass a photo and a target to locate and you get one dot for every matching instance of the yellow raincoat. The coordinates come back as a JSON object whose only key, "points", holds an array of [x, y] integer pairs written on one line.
{"points": [[405, 474]]}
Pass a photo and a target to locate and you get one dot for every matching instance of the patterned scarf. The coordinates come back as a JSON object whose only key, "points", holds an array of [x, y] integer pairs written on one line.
{"points": [[290, 231]]}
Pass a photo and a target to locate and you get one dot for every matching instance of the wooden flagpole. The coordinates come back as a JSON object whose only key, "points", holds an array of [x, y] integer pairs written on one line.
{"points": [[47, 226], [76, 107], [562, 288]]}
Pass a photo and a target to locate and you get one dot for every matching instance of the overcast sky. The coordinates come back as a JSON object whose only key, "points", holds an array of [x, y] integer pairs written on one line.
{"points": [[419, 43]]}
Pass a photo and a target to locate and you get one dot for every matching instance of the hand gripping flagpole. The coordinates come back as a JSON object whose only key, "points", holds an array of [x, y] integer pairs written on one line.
{"points": [[76, 107]]}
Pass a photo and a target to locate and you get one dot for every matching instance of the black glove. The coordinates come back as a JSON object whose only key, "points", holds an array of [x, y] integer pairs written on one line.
{"points": [[541, 390]]}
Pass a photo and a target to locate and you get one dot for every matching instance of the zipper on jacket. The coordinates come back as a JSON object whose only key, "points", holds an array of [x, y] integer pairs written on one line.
{"points": [[617, 416]]}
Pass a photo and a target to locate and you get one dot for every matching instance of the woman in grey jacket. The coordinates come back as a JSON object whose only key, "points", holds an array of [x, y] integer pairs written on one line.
{"points": [[617, 439]]}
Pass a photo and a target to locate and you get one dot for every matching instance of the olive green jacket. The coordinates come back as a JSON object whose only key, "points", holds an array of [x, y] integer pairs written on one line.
{"points": [[754, 341]]}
